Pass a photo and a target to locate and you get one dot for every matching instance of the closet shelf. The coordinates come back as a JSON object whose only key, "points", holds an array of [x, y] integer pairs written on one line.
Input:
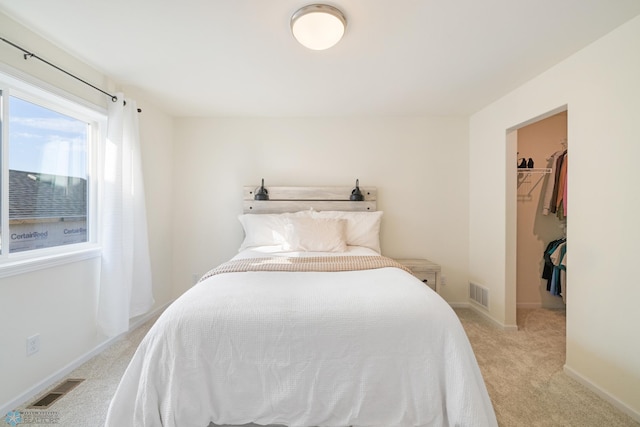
{"points": [[527, 183], [534, 170]]}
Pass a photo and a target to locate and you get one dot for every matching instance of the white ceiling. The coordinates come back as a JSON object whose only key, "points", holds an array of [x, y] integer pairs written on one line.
{"points": [[238, 58]]}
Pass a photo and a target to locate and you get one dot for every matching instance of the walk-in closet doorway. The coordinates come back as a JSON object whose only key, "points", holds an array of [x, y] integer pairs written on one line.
{"points": [[538, 224]]}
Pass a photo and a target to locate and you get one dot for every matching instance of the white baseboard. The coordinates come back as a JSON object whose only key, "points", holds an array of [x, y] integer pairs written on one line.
{"points": [[482, 311], [138, 321], [458, 304], [61, 373], [602, 393]]}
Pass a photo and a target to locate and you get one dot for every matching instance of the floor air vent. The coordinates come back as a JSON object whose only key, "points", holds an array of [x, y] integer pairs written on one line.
{"points": [[52, 396], [479, 294]]}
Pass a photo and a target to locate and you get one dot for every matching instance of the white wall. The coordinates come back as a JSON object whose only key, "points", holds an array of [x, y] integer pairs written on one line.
{"points": [[419, 165], [60, 302], [600, 85]]}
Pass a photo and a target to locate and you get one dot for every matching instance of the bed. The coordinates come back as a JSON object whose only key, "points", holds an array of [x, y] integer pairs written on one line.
{"points": [[308, 325]]}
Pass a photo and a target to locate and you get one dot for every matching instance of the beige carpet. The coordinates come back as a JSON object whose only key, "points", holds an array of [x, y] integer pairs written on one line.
{"points": [[522, 370], [524, 376]]}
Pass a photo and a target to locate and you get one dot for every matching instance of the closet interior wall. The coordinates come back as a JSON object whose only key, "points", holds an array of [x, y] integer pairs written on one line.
{"points": [[537, 141]]}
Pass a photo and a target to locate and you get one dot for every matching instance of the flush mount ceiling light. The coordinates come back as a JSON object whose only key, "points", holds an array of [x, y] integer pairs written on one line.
{"points": [[318, 26]]}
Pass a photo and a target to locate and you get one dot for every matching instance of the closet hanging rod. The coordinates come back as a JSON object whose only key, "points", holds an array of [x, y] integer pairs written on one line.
{"points": [[534, 170], [26, 55]]}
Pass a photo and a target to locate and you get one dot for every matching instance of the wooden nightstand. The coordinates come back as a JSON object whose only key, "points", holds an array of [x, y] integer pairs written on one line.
{"points": [[425, 270]]}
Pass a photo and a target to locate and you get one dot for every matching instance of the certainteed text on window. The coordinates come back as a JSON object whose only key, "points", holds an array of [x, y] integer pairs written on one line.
{"points": [[48, 188]]}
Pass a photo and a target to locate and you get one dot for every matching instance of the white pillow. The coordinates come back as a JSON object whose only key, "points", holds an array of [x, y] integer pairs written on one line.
{"points": [[363, 228], [266, 229], [315, 235]]}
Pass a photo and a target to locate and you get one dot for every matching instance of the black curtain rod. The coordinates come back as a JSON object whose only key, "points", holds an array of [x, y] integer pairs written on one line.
{"points": [[26, 55]]}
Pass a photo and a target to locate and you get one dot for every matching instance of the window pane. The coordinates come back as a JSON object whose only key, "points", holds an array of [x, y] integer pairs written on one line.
{"points": [[48, 154]]}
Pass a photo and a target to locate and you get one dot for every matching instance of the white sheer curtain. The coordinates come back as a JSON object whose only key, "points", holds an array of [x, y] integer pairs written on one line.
{"points": [[125, 277]]}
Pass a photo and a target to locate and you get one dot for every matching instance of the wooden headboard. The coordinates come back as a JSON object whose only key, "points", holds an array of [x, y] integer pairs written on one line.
{"points": [[292, 199]]}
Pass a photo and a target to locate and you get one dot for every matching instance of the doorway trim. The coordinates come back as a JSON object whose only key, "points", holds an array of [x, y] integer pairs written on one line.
{"points": [[511, 214]]}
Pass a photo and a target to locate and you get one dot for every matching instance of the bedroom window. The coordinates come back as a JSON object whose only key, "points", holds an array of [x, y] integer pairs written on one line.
{"points": [[48, 193]]}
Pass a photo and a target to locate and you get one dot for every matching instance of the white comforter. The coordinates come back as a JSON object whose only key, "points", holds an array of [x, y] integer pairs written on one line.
{"points": [[361, 348]]}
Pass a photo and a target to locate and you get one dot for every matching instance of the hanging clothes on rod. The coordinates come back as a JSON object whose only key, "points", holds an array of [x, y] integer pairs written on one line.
{"points": [[561, 202], [554, 270], [555, 197]]}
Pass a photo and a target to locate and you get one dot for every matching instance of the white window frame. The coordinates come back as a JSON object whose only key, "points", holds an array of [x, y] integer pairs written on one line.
{"points": [[15, 83]]}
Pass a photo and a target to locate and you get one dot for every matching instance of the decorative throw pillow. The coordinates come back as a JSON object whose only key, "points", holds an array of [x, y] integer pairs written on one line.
{"points": [[315, 235], [363, 228]]}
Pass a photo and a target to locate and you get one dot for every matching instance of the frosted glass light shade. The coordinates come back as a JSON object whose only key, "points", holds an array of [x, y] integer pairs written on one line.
{"points": [[318, 26]]}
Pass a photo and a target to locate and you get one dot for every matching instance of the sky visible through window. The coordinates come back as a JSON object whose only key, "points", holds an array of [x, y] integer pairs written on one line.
{"points": [[43, 141]]}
